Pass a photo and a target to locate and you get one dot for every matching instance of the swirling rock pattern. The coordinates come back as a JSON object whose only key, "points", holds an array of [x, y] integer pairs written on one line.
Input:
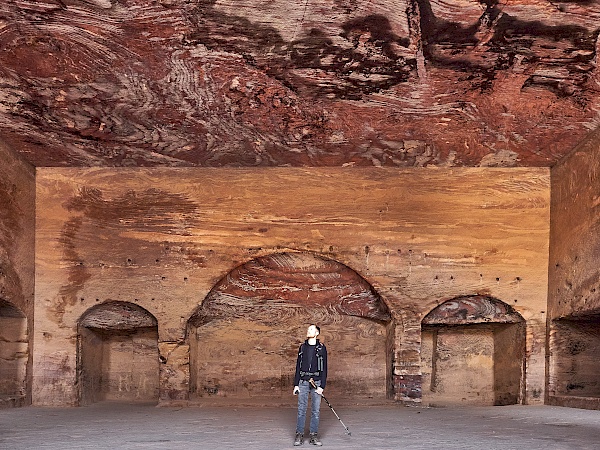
{"points": [[472, 309], [114, 315], [276, 288], [328, 83]]}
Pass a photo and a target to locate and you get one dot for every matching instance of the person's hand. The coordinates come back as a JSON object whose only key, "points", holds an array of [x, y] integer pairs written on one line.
{"points": [[320, 390], [296, 390]]}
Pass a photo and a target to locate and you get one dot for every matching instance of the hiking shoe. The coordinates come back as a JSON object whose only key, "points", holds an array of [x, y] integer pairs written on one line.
{"points": [[314, 440], [299, 440]]}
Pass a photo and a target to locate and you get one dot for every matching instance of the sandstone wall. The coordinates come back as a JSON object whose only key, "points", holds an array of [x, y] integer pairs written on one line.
{"points": [[574, 282], [164, 239], [17, 215]]}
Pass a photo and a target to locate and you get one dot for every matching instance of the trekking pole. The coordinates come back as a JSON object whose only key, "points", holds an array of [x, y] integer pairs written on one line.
{"points": [[312, 382]]}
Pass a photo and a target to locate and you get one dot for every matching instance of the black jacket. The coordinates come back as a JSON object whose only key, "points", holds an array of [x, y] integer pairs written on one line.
{"points": [[315, 367]]}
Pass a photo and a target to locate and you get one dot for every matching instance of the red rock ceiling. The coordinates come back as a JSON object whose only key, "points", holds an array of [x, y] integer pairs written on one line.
{"points": [[312, 83]]}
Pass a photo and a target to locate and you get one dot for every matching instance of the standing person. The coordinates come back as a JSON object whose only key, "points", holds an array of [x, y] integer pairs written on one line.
{"points": [[311, 363]]}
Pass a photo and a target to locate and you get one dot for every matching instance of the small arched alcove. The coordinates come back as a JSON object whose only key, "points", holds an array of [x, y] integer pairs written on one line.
{"points": [[473, 352], [575, 358], [117, 354], [244, 338], [14, 354]]}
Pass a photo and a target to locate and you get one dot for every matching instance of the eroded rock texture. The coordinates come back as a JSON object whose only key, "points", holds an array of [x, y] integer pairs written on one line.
{"points": [[321, 83], [472, 309], [119, 316], [279, 287]]}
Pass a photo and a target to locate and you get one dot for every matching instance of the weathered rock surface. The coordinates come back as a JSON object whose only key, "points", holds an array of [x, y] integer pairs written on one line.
{"points": [[318, 83]]}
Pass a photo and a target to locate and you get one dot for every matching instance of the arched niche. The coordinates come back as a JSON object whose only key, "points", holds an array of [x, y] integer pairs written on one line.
{"points": [[473, 352], [575, 359], [245, 336], [117, 354], [14, 354]]}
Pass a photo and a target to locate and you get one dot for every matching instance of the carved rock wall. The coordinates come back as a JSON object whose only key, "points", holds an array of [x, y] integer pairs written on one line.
{"points": [[575, 246], [17, 221], [574, 283], [164, 238]]}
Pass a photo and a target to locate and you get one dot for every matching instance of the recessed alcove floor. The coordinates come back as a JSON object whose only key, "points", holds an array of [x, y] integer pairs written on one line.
{"points": [[109, 425]]}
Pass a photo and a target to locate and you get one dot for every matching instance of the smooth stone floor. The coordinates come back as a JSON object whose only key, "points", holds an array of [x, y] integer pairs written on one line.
{"points": [[120, 426]]}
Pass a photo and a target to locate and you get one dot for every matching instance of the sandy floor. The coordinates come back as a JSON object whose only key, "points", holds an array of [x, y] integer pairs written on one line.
{"points": [[119, 426]]}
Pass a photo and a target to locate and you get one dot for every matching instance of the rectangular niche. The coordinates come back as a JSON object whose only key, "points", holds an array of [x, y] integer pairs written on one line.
{"points": [[575, 362], [119, 365], [476, 364], [14, 354], [241, 359]]}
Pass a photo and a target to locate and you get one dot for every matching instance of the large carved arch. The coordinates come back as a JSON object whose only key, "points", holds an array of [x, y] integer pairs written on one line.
{"points": [[117, 354], [245, 336], [473, 352]]}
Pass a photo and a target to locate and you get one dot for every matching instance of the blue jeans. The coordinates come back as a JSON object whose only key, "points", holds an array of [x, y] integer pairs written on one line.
{"points": [[315, 405]]}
